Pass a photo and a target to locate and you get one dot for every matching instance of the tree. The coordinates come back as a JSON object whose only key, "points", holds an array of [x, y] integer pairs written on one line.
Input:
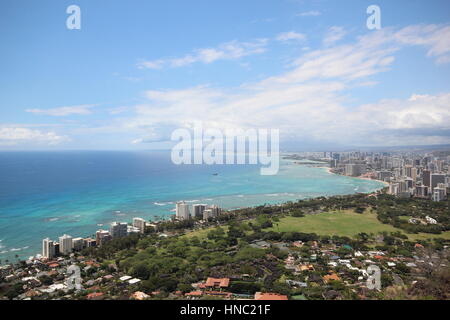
{"points": [[141, 271]]}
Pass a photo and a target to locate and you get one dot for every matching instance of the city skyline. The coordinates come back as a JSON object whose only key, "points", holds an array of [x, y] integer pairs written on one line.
{"points": [[312, 69]]}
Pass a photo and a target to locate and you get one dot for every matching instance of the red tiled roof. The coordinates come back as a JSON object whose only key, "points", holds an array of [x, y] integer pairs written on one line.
{"points": [[333, 276], [217, 282], [94, 295], [269, 296], [194, 293]]}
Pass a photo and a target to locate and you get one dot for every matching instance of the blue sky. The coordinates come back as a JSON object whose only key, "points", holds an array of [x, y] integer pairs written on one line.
{"points": [[138, 70]]}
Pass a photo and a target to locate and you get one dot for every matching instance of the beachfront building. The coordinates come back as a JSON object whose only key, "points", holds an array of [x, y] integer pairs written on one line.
{"points": [[102, 236], [48, 248], [207, 214], [355, 170], [132, 229], [118, 230], [140, 224], [197, 210], [78, 244], [89, 242], [216, 210], [182, 211], [65, 244]]}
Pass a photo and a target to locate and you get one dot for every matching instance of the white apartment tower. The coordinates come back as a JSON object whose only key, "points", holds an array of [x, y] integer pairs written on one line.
{"points": [[182, 211], [48, 248], [65, 244], [140, 224]]}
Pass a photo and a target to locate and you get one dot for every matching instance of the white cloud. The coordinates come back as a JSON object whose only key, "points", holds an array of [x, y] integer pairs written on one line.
{"points": [[64, 111], [291, 35], [118, 110], [14, 136], [232, 50], [310, 101], [312, 13], [435, 37], [333, 35]]}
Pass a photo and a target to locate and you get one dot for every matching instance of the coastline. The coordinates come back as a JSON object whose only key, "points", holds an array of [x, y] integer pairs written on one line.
{"points": [[267, 199], [330, 171]]}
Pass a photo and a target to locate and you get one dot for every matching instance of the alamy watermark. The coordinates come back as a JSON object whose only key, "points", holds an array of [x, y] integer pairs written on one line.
{"points": [[374, 277], [232, 146], [73, 21], [374, 20], [73, 281]]}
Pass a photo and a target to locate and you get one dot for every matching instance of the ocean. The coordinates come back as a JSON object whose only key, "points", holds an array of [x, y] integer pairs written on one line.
{"points": [[48, 194]]}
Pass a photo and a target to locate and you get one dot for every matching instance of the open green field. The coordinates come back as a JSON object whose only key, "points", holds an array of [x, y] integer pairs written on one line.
{"points": [[343, 223], [202, 234]]}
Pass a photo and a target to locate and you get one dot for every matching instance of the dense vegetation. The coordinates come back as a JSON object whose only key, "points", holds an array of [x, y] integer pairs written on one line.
{"points": [[167, 264]]}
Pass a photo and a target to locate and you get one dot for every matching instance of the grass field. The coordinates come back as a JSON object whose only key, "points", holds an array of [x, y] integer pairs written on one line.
{"points": [[202, 234], [343, 223]]}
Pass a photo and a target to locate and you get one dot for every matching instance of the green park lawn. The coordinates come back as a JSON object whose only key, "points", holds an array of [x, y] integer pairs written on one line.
{"points": [[343, 223], [202, 234]]}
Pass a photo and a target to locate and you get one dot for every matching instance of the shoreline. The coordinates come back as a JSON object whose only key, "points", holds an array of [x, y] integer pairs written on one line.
{"points": [[330, 171], [281, 202]]}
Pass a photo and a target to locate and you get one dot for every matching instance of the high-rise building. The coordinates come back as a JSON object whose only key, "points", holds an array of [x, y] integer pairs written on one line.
{"points": [[197, 210], [65, 244], [216, 210], [426, 177], [48, 248], [78, 244], [355, 170], [182, 211], [421, 191], [207, 214], [56, 245], [384, 175], [101, 237], [118, 230], [89, 242], [439, 194], [437, 178], [132, 229], [140, 224]]}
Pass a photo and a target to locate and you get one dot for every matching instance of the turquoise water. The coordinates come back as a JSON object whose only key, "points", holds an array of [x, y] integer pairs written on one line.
{"points": [[47, 194]]}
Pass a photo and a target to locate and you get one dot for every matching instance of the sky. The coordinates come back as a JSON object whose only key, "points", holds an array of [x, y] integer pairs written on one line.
{"points": [[138, 70]]}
